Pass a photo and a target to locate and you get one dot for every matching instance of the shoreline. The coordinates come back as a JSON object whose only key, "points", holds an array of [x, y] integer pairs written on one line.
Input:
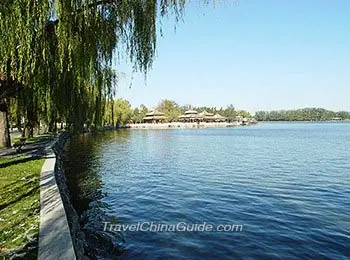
{"points": [[88, 242], [77, 235], [176, 125], [306, 121]]}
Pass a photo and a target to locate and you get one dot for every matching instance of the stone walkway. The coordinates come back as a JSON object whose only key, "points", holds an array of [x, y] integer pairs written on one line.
{"points": [[55, 241]]}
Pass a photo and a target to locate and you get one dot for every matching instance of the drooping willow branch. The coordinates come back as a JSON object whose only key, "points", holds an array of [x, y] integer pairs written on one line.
{"points": [[50, 25]]}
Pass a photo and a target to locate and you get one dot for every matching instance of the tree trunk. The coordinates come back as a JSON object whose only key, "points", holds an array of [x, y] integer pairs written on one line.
{"points": [[112, 110], [5, 140], [29, 130], [45, 127]]}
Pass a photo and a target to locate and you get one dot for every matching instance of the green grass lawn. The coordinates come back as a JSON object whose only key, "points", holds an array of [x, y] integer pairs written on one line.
{"points": [[30, 140], [19, 205]]}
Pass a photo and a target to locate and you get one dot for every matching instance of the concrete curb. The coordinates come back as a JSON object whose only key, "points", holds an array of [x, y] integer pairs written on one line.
{"points": [[55, 240]]}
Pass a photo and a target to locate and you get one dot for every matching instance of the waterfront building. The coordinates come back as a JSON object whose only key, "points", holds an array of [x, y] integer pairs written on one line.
{"points": [[190, 116], [219, 118], [194, 116], [206, 116], [154, 117]]}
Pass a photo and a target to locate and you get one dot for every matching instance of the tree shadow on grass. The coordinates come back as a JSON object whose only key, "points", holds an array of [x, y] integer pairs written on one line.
{"points": [[23, 201], [29, 149], [29, 251], [19, 198], [28, 179], [20, 160]]}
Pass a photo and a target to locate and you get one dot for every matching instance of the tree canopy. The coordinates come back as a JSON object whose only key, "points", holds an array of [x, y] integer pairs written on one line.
{"points": [[117, 112], [139, 113], [56, 56], [170, 109]]}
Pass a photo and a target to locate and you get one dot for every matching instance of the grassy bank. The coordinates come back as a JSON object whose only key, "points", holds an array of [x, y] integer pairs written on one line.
{"points": [[30, 140], [19, 206]]}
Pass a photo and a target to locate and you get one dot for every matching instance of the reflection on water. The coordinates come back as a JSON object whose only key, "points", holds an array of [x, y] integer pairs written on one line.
{"points": [[82, 166], [288, 184]]}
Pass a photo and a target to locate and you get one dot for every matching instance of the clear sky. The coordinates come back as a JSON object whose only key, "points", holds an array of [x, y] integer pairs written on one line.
{"points": [[256, 55]]}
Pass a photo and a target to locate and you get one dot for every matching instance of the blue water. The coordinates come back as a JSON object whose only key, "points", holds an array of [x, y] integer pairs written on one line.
{"points": [[288, 184]]}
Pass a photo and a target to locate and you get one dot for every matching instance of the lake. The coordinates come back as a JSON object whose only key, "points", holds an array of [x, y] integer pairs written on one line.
{"points": [[286, 184]]}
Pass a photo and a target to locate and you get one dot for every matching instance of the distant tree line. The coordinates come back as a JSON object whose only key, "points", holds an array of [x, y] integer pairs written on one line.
{"points": [[305, 114], [119, 112]]}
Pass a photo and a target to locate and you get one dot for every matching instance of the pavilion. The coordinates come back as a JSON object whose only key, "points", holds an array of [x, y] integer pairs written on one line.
{"points": [[206, 116], [190, 116], [219, 118], [194, 116], [154, 117]]}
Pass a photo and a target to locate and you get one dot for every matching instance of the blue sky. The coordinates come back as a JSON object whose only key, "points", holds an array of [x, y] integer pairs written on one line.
{"points": [[256, 55]]}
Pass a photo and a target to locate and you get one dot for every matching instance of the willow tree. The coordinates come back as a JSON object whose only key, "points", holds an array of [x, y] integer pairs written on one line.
{"points": [[170, 109], [56, 56]]}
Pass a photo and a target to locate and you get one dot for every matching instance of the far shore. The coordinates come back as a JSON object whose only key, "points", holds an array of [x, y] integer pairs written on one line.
{"points": [[174, 125], [306, 121]]}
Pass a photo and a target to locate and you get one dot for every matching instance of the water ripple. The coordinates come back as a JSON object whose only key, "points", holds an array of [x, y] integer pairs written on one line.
{"points": [[287, 184]]}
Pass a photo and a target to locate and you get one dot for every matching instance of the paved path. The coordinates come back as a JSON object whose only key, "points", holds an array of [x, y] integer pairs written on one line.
{"points": [[15, 133], [55, 241], [38, 149]]}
